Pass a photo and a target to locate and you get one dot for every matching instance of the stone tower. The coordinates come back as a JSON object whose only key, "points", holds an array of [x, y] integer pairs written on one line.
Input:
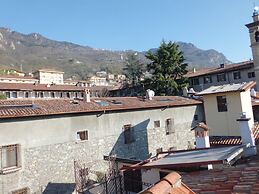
{"points": [[254, 39]]}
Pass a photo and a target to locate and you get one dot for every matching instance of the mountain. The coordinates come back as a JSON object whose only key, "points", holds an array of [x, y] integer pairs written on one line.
{"points": [[33, 51]]}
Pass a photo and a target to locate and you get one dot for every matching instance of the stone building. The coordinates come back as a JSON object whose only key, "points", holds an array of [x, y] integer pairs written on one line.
{"points": [[41, 139]]}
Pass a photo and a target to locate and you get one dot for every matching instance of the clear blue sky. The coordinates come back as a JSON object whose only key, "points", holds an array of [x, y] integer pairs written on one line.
{"points": [[136, 24]]}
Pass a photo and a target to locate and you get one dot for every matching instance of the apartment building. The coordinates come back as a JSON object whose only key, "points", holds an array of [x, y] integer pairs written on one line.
{"points": [[223, 74]]}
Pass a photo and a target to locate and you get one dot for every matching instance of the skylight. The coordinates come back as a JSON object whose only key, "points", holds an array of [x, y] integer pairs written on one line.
{"points": [[102, 103]]}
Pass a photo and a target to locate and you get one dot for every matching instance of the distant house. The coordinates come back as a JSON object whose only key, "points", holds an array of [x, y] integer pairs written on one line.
{"points": [[98, 81], [49, 76], [42, 139], [224, 74]]}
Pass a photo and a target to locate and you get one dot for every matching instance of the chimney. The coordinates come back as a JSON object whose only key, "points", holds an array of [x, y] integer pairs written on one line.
{"points": [[202, 138], [253, 92], [87, 95], [194, 70], [202, 135], [247, 135], [150, 94], [185, 92], [222, 65]]}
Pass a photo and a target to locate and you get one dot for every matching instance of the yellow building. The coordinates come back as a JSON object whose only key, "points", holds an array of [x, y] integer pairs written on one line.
{"points": [[223, 105]]}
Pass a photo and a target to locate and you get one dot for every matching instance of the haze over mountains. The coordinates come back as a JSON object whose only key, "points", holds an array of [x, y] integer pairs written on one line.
{"points": [[34, 51]]}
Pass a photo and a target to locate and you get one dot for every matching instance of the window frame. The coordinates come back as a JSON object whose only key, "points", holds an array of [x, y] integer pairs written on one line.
{"points": [[5, 155], [236, 75], [221, 77], [209, 77], [129, 134], [157, 124], [169, 126], [251, 74], [84, 133], [222, 103], [195, 81]]}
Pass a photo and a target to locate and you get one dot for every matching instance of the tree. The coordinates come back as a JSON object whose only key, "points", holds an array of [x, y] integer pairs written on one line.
{"points": [[167, 68], [134, 69]]}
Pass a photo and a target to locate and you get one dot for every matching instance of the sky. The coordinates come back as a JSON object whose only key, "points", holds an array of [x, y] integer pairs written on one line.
{"points": [[136, 24]]}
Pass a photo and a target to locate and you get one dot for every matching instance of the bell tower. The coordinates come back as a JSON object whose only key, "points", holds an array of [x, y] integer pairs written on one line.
{"points": [[254, 39]]}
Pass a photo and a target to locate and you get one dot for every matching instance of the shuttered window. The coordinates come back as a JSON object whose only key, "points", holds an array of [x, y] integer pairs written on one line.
{"points": [[10, 157], [169, 126], [129, 136]]}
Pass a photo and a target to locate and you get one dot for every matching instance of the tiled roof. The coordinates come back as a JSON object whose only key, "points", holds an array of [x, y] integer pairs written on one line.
{"points": [[170, 184], [17, 77], [39, 87], [38, 107], [232, 140], [227, 67], [47, 87], [235, 87], [241, 178]]}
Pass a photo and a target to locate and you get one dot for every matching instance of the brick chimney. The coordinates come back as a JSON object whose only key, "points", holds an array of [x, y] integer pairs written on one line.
{"points": [[202, 138], [247, 135], [202, 135], [87, 95]]}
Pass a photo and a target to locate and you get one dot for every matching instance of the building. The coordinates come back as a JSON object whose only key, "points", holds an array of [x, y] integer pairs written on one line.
{"points": [[224, 74], [49, 76], [98, 81], [17, 79], [254, 40], [41, 139], [35, 90], [224, 104]]}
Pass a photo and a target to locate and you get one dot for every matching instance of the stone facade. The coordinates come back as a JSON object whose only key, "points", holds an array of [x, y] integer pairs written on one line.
{"points": [[49, 146]]}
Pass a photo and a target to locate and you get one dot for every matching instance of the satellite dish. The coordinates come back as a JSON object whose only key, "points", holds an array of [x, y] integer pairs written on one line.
{"points": [[256, 8]]}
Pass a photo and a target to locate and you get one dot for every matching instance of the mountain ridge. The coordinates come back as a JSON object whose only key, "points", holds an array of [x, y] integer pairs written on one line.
{"points": [[35, 51]]}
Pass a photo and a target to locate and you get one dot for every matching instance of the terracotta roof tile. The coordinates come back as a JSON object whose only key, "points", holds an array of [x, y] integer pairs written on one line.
{"points": [[38, 107], [232, 140], [242, 178], [170, 184]]}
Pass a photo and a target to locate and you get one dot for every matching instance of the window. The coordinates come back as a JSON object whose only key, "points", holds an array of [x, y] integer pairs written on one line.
{"points": [[207, 79], [129, 136], [237, 75], [68, 95], [221, 77], [7, 94], [82, 135], [52, 95], [159, 150], [222, 104], [195, 81], [26, 94], [169, 126], [156, 124], [42, 95], [14, 94], [21, 191], [251, 74], [10, 157], [196, 117]]}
